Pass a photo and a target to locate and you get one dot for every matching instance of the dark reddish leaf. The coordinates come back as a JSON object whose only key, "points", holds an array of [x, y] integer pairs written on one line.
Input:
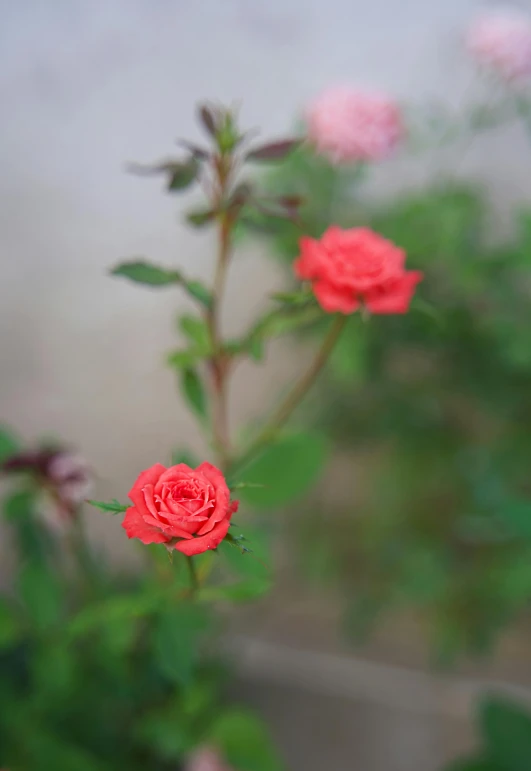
{"points": [[208, 118], [291, 201], [242, 193], [273, 151], [198, 152], [275, 209]]}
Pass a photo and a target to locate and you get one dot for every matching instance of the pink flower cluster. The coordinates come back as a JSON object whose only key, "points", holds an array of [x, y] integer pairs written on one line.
{"points": [[501, 41], [348, 125]]}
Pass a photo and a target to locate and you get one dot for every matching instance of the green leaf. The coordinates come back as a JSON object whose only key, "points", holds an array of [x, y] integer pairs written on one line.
{"points": [[9, 444], [181, 175], [302, 297], [196, 330], [255, 562], [506, 730], [176, 639], [41, 594], [9, 626], [19, 505], [256, 350], [244, 741], [199, 292], [183, 359], [288, 469], [516, 513], [53, 670], [144, 273], [193, 391], [114, 506], [163, 730], [285, 320], [201, 217]]}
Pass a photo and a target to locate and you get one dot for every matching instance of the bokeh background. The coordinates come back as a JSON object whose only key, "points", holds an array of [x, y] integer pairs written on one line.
{"points": [[87, 87]]}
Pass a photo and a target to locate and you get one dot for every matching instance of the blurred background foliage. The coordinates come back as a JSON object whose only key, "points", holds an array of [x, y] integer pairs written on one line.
{"points": [[433, 409], [504, 729]]}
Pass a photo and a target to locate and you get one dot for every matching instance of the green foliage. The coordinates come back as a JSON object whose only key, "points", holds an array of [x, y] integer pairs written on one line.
{"points": [[287, 469], [10, 630], [42, 595], [193, 391], [176, 638], [505, 729], [196, 331], [182, 175], [201, 217], [9, 444], [142, 272], [114, 506], [244, 741], [199, 292], [179, 174]]}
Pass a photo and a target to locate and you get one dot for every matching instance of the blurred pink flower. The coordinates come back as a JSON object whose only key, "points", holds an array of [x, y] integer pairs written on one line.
{"points": [[70, 475], [501, 40], [350, 125], [206, 759]]}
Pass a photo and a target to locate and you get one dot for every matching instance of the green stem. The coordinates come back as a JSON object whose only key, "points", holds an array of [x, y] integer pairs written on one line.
{"points": [[295, 396], [194, 580], [220, 428]]}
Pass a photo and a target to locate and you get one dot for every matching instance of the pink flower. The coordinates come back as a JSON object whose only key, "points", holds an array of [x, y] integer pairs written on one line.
{"points": [[70, 475], [186, 509], [349, 268], [205, 759], [349, 125], [501, 40], [63, 473]]}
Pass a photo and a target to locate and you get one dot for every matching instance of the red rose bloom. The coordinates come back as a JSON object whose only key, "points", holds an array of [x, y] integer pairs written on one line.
{"points": [[348, 268], [186, 509]]}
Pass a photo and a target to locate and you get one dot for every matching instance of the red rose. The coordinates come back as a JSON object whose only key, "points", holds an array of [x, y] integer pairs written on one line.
{"points": [[185, 508], [352, 267]]}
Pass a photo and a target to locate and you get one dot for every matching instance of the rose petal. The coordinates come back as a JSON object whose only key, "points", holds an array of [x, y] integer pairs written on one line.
{"points": [[307, 264], [333, 299], [135, 527], [205, 542], [221, 492], [174, 474], [147, 477], [396, 297]]}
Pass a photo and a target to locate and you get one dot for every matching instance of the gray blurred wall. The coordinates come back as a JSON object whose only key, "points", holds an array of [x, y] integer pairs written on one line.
{"points": [[86, 87]]}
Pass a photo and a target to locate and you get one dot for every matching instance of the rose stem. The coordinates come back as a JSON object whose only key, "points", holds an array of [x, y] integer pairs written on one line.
{"points": [[223, 165], [295, 396], [194, 581]]}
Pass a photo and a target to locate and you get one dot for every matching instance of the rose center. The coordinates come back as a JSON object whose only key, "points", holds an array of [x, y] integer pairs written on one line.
{"points": [[190, 498]]}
